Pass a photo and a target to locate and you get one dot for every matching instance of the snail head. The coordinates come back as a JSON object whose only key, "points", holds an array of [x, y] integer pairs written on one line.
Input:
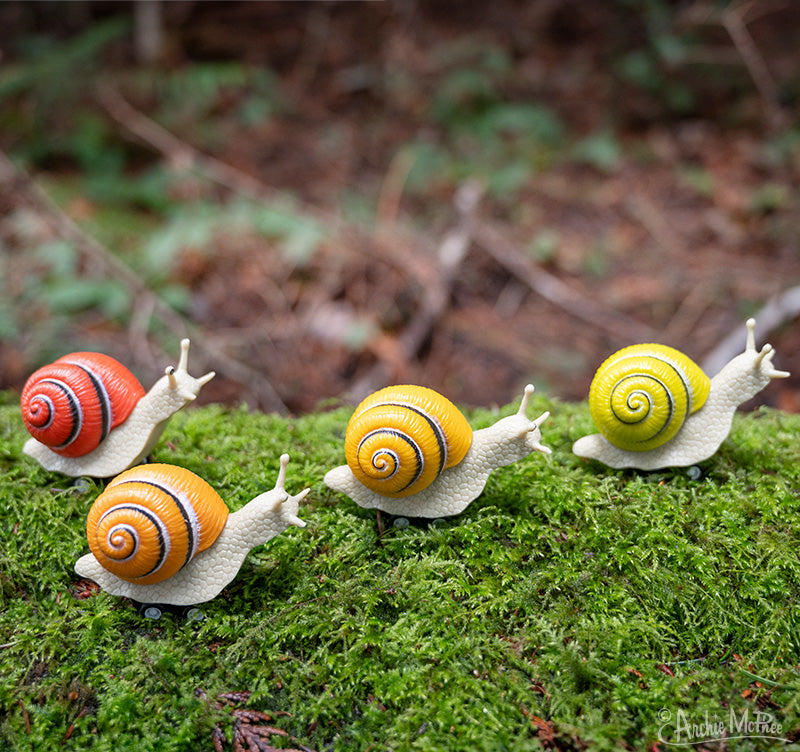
{"points": [[179, 378], [763, 363], [534, 437], [762, 360], [530, 430], [286, 505]]}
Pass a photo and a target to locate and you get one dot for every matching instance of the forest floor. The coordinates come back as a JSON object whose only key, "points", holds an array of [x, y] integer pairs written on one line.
{"points": [[466, 198]]}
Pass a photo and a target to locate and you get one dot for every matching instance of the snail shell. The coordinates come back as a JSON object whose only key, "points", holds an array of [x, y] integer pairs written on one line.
{"points": [[400, 438], [152, 520], [72, 404], [641, 395]]}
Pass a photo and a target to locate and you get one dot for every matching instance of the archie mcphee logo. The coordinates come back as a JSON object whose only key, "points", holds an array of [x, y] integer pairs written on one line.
{"points": [[682, 729]]}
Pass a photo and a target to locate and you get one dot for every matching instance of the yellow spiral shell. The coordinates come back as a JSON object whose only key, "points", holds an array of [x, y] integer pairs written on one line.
{"points": [[641, 395], [151, 520], [400, 438]]}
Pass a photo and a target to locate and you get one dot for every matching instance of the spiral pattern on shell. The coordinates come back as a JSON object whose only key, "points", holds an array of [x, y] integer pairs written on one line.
{"points": [[152, 520], [400, 438], [72, 404], [641, 395]]}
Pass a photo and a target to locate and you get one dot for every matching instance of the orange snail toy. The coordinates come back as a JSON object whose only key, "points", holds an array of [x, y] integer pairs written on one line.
{"points": [[161, 535], [411, 453]]}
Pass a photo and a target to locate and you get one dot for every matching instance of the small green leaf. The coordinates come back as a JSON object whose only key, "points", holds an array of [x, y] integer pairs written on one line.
{"points": [[70, 295]]}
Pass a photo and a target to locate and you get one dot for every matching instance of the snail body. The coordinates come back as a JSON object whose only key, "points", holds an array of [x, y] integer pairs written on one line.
{"points": [[450, 462], [655, 408], [160, 534], [88, 415]]}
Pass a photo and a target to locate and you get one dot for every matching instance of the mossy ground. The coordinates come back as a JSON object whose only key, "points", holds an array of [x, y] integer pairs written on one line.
{"points": [[569, 606]]}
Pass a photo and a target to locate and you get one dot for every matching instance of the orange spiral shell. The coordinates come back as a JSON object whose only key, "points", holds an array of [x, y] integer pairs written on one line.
{"points": [[152, 520], [72, 404], [400, 438]]}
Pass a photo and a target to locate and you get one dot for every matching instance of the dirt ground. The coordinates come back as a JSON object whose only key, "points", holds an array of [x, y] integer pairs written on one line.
{"points": [[692, 227]]}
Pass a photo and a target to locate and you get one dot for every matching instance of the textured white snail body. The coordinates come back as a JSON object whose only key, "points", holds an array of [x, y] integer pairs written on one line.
{"points": [[161, 534], [697, 412], [450, 463], [88, 415]]}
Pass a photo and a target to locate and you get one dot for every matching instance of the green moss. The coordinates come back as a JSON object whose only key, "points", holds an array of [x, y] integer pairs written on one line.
{"points": [[593, 599]]}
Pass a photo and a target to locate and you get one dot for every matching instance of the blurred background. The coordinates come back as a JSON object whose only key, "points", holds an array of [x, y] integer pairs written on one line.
{"points": [[328, 197]]}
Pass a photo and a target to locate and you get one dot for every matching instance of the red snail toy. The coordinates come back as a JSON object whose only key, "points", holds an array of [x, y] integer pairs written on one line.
{"points": [[88, 415]]}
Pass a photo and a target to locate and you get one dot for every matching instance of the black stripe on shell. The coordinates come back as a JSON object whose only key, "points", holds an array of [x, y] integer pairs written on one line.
{"points": [[436, 427], [399, 434], [102, 397], [191, 548], [74, 408], [51, 410], [162, 544], [670, 402], [133, 533]]}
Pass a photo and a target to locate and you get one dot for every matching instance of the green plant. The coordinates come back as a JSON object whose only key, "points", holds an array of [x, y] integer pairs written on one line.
{"points": [[569, 606], [40, 100]]}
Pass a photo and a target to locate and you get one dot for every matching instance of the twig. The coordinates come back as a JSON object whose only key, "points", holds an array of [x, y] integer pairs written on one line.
{"points": [[433, 305], [554, 290], [178, 153], [102, 256], [647, 214], [25, 716], [734, 23], [182, 156], [451, 254], [148, 30], [778, 310], [67, 228], [392, 188], [688, 313], [71, 728], [735, 19]]}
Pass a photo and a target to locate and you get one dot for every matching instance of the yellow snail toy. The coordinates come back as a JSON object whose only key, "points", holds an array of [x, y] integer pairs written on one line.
{"points": [[160, 534], [88, 415], [655, 408], [410, 452]]}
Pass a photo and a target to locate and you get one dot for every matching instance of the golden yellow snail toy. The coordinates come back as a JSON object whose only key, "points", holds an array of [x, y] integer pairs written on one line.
{"points": [[160, 534], [654, 407], [410, 452], [88, 415]]}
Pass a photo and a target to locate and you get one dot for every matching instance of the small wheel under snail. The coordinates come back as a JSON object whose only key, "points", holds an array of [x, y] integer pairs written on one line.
{"points": [[419, 522], [155, 611]]}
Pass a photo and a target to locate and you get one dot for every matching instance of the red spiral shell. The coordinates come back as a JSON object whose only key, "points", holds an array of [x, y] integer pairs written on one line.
{"points": [[71, 404]]}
